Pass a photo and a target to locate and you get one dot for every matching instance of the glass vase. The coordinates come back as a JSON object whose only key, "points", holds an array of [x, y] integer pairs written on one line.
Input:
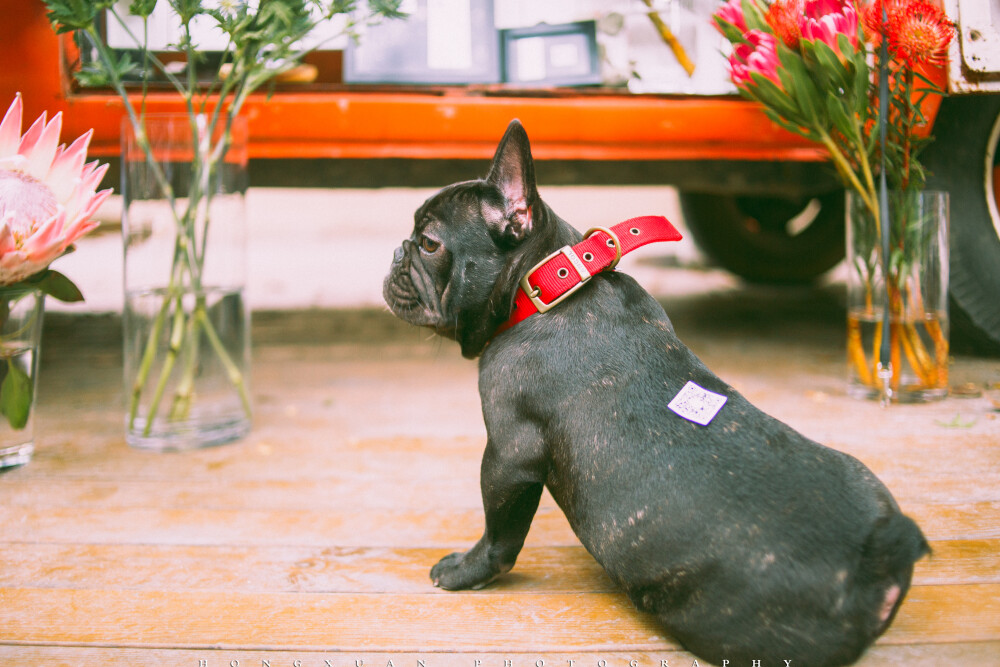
{"points": [[21, 312], [897, 311], [185, 321]]}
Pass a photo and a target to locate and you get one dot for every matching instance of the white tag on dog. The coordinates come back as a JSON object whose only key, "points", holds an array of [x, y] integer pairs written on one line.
{"points": [[697, 404]]}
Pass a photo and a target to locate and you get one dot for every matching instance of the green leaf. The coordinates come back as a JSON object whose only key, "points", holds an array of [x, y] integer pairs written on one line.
{"points": [[805, 93], [862, 87], [186, 9], [729, 31], [754, 17], [839, 115], [70, 15], [769, 94], [957, 422], [387, 8], [56, 285], [142, 8], [830, 65], [791, 127], [16, 393]]}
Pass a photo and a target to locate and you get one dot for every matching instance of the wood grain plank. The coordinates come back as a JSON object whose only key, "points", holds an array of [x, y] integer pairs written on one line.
{"points": [[285, 569], [917, 655], [480, 621], [363, 528], [393, 623], [338, 448], [340, 528], [434, 483], [279, 569]]}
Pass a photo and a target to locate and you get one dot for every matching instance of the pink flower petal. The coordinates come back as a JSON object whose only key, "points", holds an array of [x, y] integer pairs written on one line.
{"points": [[12, 260], [67, 167], [44, 151], [30, 137], [95, 204], [47, 236], [83, 189], [10, 129], [7, 243], [13, 163], [68, 163]]}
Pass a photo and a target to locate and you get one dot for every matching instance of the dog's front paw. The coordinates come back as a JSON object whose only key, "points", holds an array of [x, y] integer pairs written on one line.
{"points": [[462, 571]]}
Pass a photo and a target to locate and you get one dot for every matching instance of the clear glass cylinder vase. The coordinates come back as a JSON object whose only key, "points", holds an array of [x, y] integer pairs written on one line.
{"points": [[186, 324], [21, 312], [897, 310]]}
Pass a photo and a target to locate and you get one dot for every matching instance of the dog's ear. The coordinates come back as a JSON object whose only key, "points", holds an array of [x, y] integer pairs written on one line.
{"points": [[513, 174]]}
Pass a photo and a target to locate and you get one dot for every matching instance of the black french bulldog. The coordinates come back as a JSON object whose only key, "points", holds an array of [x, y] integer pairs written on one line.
{"points": [[747, 540]]}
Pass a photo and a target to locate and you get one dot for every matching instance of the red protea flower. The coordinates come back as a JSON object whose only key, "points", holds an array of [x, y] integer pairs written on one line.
{"points": [[784, 17], [917, 31]]}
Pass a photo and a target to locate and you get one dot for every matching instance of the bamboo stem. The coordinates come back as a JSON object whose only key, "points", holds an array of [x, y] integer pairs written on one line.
{"points": [[667, 35]]}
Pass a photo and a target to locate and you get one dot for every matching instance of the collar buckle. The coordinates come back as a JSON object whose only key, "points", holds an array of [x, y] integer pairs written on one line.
{"points": [[534, 293]]}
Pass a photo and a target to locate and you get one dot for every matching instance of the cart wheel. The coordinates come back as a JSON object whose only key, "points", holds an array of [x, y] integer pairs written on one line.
{"points": [[768, 239], [964, 159]]}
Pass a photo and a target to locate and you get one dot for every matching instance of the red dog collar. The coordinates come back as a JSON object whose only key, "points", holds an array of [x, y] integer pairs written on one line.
{"points": [[566, 270]]}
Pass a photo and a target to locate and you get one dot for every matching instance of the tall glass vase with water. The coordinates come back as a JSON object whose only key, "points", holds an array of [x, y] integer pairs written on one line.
{"points": [[186, 324], [903, 296]]}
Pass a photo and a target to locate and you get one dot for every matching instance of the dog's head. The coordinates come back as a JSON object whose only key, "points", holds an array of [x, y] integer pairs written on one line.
{"points": [[458, 270]]}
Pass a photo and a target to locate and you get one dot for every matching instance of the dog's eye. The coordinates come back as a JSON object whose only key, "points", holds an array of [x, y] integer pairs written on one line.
{"points": [[428, 245]]}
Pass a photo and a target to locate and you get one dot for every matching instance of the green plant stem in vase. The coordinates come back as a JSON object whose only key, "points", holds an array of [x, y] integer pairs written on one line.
{"points": [[184, 315]]}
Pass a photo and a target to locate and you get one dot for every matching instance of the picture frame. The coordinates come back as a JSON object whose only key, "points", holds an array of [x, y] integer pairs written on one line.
{"points": [[551, 55], [439, 42]]}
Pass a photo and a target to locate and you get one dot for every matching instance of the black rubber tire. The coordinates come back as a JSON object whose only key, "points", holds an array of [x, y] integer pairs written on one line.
{"points": [[966, 137], [750, 235]]}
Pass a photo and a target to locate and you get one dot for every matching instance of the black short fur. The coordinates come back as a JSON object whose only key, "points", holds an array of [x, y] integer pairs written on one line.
{"points": [[746, 539]]}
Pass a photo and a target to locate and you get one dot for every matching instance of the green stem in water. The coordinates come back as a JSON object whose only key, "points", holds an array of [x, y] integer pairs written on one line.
{"points": [[235, 376], [181, 406], [176, 339], [148, 356]]}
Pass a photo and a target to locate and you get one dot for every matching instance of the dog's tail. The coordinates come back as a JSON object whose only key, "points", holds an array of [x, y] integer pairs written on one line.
{"points": [[893, 546]]}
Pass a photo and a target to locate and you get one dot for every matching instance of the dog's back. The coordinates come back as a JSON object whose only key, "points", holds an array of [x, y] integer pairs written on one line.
{"points": [[748, 540]]}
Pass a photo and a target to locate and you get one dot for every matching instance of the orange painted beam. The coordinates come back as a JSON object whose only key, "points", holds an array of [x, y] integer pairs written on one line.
{"points": [[456, 123], [366, 125]]}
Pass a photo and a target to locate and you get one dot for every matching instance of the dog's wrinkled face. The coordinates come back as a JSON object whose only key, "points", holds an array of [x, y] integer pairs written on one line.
{"points": [[452, 273]]}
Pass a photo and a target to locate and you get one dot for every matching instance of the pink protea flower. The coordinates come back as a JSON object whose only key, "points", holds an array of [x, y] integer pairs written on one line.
{"points": [[732, 12], [826, 20], [760, 55], [47, 194]]}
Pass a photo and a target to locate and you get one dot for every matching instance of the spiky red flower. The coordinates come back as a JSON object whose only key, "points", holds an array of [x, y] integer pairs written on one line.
{"points": [[783, 17], [917, 31]]}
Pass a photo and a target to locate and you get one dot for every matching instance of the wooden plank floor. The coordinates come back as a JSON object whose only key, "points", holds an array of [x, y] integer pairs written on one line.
{"points": [[310, 542]]}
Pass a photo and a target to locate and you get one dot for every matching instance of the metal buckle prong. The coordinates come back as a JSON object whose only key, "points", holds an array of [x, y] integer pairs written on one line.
{"points": [[534, 293]]}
